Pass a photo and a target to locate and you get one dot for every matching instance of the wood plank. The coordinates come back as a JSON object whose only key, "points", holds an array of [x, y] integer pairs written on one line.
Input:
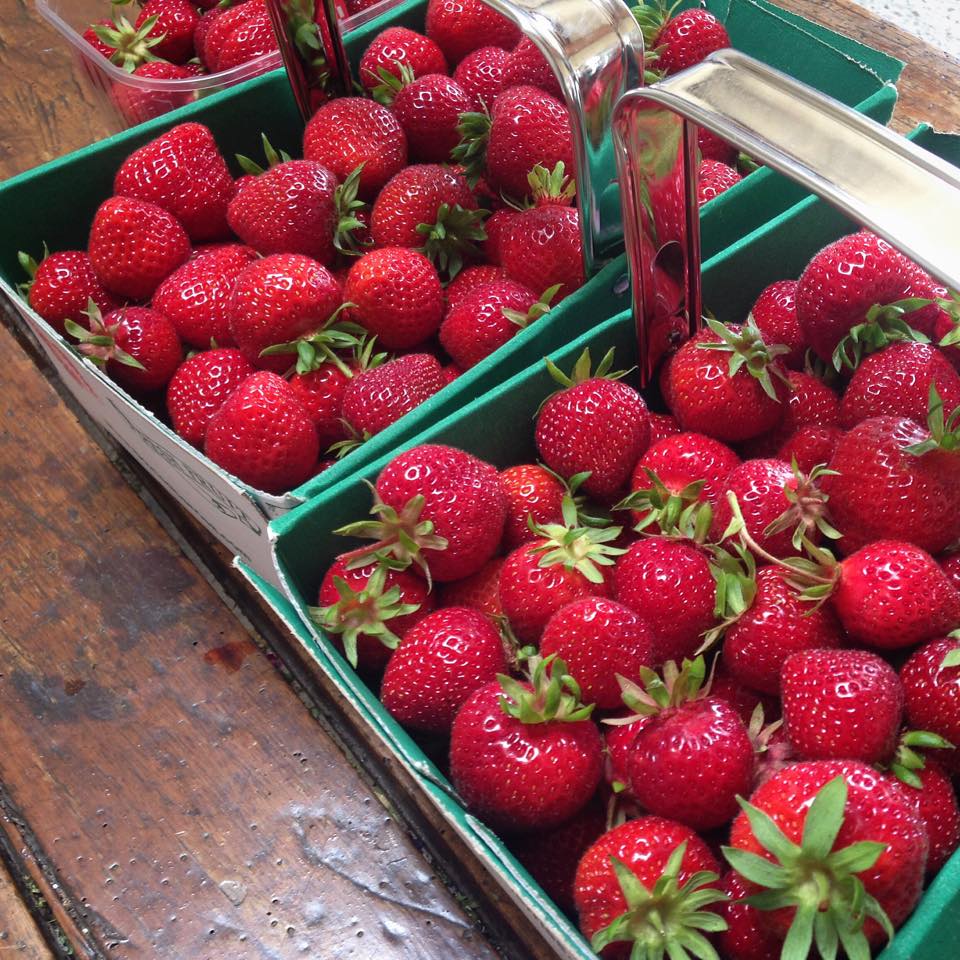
{"points": [[183, 796], [20, 939]]}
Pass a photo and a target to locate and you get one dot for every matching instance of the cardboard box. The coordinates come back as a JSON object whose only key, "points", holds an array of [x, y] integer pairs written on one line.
{"points": [[304, 547], [55, 203]]}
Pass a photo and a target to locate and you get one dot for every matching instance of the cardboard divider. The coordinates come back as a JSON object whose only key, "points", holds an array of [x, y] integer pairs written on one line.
{"points": [[304, 545]]}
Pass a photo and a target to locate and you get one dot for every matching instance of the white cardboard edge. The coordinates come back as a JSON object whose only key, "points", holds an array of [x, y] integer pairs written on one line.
{"points": [[226, 508]]}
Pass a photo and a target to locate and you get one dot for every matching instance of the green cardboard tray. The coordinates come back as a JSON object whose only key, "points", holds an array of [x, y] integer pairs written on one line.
{"points": [[304, 547]]}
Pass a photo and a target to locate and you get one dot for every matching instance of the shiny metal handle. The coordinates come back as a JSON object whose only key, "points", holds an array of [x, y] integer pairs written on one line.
{"points": [[900, 191]]}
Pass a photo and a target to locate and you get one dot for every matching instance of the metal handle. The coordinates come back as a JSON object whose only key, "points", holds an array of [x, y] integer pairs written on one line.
{"points": [[900, 191]]}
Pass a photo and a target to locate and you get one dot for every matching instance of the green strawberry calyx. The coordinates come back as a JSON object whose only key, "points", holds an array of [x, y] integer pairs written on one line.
{"points": [[582, 372], [951, 306], [364, 612], [749, 352], [352, 441], [271, 155], [820, 883], [944, 430], [348, 205], [471, 152], [669, 920], [681, 514], [131, 45], [952, 658], [551, 696], [885, 324], [30, 267], [666, 690], [537, 310], [908, 760], [385, 92], [453, 238], [735, 574], [98, 344], [807, 512], [551, 187], [315, 349]]}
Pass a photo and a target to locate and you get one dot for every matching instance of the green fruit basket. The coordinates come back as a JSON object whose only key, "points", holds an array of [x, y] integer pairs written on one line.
{"points": [[304, 547], [54, 205]]}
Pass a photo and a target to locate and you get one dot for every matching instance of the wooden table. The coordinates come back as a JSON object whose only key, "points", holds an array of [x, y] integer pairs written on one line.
{"points": [[175, 781]]}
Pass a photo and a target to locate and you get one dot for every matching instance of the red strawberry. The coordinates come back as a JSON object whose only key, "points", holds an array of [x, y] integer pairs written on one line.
{"points": [[61, 287], [896, 382], [542, 247], [429, 109], [227, 22], [775, 625], [395, 294], [439, 663], [688, 38], [745, 937], [496, 227], [714, 178], [207, 19], [618, 874], [596, 424], [468, 279], [398, 46], [743, 699], [931, 319], [809, 402], [480, 591], [526, 66], [134, 245], [138, 104], [775, 314], [597, 639], [841, 704], [122, 43], [937, 801], [196, 296], [931, 684], [725, 382], [175, 21], [850, 803], [669, 584], [277, 300], [263, 436], [321, 393], [713, 147], [951, 567], [532, 493], [379, 397], [350, 131], [200, 387], [250, 39], [810, 446], [462, 26], [370, 608], [528, 760], [662, 425], [481, 74]]}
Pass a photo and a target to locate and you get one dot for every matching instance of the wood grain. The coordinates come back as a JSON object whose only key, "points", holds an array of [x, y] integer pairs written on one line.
{"points": [[19, 937]]}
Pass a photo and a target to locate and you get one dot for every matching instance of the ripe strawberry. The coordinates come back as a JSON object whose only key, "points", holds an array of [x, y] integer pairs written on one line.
{"points": [[542, 247], [200, 387], [123, 44], [713, 147], [62, 285], [841, 704], [745, 938], [370, 608], [196, 296], [380, 396], [462, 26], [468, 279], [662, 425], [481, 74], [595, 423], [714, 178], [137, 105], [398, 46], [669, 584], [526, 66], [530, 759], [480, 591], [896, 382], [951, 567], [618, 875], [776, 625], [349, 131], [688, 38], [439, 663], [250, 39], [931, 318], [931, 684], [227, 22], [263, 436], [809, 402], [937, 801], [743, 699], [175, 22], [775, 314], [597, 639], [533, 492], [134, 245], [850, 803], [321, 393], [429, 109], [395, 294], [810, 446], [842, 282], [207, 19], [496, 227]]}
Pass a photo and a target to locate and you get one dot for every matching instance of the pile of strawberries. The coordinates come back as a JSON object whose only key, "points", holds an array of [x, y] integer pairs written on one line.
{"points": [[700, 668]]}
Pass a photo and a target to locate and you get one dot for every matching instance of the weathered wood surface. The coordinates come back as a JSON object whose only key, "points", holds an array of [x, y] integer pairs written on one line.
{"points": [[19, 937]]}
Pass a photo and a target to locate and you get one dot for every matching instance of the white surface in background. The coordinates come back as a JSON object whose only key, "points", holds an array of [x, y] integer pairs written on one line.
{"points": [[936, 21]]}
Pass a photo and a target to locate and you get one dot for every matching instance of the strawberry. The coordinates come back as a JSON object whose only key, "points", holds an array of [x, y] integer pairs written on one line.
{"points": [[595, 424], [713, 147], [196, 296], [669, 584], [496, 227], [263, 436], [841, 704], [250, 39], [525, 755], [440, 507], [488, 317], [809, 446], [61, 286], [729, 393], [533, 493], [526, 66], [227, 22], [199, 388], [350, 131], [688, 38], [597, 639], [370, 607], [745, 937], [800, 820], [694, 756], [321, 393], [174, 22], [395, 294], [775, 314], [951, 567], [931, 684], [542, 247], [134, 245], [429, 108], [138, 104], [480, 591], [123, 44], [628, 866], [931, 318], [662, 425], [468, 279], [714, 178], [440, 662], [896, 382], [462, 26], [376, 398], [809, 402], [480, 73], [776, 624], [743, 699], [937, 801], [207, 19], [398, 46]]}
